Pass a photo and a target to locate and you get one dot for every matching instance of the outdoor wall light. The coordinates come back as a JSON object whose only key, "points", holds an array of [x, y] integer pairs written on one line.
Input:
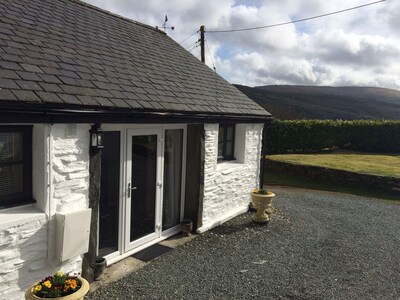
{"points": [[96, 136]]}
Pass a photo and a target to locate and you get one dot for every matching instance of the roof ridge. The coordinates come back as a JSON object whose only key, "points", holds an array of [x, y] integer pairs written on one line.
{"points": [[81, 2]]}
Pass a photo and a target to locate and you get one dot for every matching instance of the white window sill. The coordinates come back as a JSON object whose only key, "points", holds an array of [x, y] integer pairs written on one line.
{"points": [[228, 165], [16, 216]]}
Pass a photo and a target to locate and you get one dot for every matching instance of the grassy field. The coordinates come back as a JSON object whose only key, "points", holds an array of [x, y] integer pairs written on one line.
{"points": [[385, 165], [376, 164]]}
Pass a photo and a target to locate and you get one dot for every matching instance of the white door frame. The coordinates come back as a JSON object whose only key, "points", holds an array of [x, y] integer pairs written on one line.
{"points": [[129, 245], [122, 235]]}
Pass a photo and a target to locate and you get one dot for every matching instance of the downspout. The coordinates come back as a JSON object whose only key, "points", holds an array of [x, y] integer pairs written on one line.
{"points": [[263, 153], [50, 167], [51, 222]]}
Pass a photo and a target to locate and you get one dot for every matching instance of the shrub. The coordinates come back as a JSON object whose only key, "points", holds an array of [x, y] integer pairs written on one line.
{"points": [[315, 135]]}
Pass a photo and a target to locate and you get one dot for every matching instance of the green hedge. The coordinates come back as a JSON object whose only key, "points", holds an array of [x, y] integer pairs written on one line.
{"points": [[315, 135]]}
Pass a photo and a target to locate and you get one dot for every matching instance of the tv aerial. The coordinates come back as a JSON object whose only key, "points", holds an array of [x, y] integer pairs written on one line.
{"points": [[164, 25]]}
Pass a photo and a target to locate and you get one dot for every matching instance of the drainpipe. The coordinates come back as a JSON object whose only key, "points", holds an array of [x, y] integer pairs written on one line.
{"points": [[263, 153], [95, 153], [50, 220]]}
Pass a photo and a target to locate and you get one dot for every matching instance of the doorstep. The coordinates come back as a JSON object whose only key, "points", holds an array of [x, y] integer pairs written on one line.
{"points": [[131, 264]]}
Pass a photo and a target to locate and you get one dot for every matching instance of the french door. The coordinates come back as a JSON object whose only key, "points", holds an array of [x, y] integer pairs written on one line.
{"points": [[143, 190]]}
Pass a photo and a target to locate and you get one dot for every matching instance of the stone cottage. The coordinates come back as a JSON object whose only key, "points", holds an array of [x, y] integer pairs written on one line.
{"points": [[110, 134]]}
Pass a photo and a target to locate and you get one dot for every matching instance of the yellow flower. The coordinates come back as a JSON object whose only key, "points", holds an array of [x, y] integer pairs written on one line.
{"points": [[59, 274], [47, 284], [71, 283], [38, 288]]}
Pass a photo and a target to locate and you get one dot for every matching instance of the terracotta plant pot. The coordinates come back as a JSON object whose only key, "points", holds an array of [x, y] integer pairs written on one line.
{"points": [[263, 204], [78, 295]]}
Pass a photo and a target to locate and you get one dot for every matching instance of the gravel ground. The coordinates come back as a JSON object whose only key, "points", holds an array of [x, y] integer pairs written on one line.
{"points": [[318, 245]]}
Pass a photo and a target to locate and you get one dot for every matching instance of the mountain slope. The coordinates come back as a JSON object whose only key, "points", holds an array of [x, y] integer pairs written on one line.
{"points": [[324, 102]]}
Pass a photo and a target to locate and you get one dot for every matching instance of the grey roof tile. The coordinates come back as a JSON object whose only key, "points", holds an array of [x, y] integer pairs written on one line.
{"points": [[68, 80], [103, 93], [104, 101], [49, 78], [146, 104], [50, 87], [70, 99], [68, 73], [86, 56], [49, 97], [9, 65], [28, 85], [119, 103], [8, 83], [118, 94], [8, 74], [87, 100], [11, 57], [51, 71], [101, 85], [26, 96], [5, 94]]}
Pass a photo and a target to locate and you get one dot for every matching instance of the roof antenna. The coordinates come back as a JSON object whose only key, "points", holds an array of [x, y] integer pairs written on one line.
{"points": [[164, 26]]}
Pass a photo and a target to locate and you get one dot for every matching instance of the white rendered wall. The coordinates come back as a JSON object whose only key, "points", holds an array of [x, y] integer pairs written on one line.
{"points": [[60, 183], [227, 185]]}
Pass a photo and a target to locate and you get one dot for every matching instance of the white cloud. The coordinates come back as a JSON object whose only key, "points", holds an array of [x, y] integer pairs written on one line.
{"points": [[359, 47]]}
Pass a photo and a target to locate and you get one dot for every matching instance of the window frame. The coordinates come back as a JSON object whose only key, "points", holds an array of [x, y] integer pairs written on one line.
{"points": [[24, 197], [224, 156]]}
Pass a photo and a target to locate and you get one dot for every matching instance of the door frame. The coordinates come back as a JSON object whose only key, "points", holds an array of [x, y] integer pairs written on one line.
{"points": [[158, 184], [122, 253]]}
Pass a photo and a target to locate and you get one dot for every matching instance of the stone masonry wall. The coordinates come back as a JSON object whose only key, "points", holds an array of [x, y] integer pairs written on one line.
{"points": [[227, 185], [383, 183], [26, 235]]}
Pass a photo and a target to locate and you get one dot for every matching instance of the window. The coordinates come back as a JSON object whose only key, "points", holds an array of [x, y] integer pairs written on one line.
{"points": [[15, 165], [226, 142]]}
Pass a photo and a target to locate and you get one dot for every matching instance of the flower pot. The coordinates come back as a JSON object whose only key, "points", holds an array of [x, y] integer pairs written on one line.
{"points": [[99, 267], [186, 227], [78, 295], [263, 204]]}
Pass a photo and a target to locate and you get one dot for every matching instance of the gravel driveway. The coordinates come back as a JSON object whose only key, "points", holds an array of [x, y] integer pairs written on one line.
{"points": [[318, 245]]}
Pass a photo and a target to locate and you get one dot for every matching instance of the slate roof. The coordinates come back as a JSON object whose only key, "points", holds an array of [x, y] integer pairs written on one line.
{"points": [[70, 54]]}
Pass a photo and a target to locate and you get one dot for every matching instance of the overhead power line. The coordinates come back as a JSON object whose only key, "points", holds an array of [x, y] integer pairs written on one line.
{"points": [[209, 53], [295, 21], [188, 37]]}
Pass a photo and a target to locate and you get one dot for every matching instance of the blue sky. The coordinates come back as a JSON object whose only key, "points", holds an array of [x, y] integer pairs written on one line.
{"points": [[359, 47]]}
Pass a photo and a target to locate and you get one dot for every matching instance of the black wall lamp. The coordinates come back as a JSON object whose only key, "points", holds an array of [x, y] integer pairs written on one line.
{"points": [[96, 136]]}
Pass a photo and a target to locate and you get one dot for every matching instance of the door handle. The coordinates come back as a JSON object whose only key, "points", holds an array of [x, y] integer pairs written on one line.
{"points": [[130, 189]]}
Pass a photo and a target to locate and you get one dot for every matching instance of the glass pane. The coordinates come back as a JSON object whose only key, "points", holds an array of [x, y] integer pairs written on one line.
{"points": [[229, 134], [109, 194], [11, 179], [11, 163], [221, 135], [11, 146], [229, 150], [143, 194], [220, 149], [172, 178]]}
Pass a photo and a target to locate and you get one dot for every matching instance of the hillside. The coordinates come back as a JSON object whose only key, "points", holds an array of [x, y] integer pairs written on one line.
{"points": [[323, 102]]}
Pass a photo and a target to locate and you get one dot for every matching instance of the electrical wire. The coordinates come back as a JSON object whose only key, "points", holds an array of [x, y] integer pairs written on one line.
{"points": [[193, 48], [295, 21], [196, 42], [188, 37], [209, 53]]}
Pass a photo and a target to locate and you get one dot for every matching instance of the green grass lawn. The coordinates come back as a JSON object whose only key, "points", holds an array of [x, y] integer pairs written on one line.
{"points": [[376, 164]]}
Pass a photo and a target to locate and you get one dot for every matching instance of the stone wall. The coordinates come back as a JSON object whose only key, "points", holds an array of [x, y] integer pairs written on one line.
{"points": [[27, 232], [227, 184], [384, 183]]}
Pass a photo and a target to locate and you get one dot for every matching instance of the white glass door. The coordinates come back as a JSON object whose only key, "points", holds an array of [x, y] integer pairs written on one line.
{"points": [[143, 187]]}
